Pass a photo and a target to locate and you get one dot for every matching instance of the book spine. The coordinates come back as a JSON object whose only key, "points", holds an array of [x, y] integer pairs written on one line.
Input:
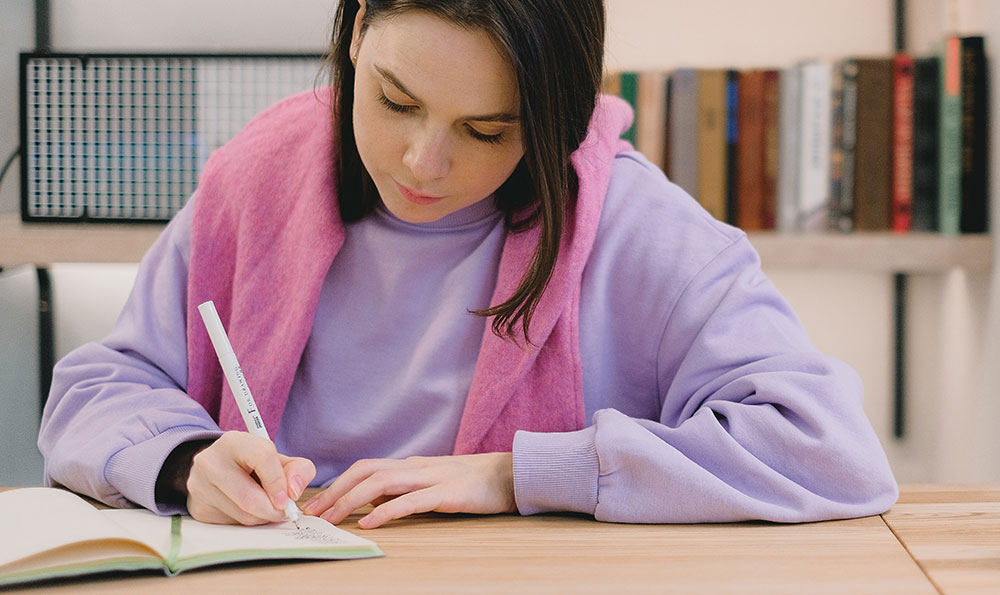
{"points": [[814, 147], [926, 94], [667, 85], [975, 129], [750, 196], [771, 149], [684, 129], [848, 145], [788, 148], [873, 155], [902, 143], [630, 93], [732, 142], [712, 141], [836, 143], [950, 139], [650, 116]]}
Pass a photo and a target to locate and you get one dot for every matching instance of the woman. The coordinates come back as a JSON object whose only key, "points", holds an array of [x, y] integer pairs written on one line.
{"points": [[461, 293]]}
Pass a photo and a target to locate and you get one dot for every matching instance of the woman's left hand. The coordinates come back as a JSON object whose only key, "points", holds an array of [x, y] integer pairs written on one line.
{"points": [[480, 484]]}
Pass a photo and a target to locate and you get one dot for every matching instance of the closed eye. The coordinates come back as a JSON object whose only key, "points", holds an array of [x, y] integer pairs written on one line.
{"points": [[494, 139], [392, 106]]}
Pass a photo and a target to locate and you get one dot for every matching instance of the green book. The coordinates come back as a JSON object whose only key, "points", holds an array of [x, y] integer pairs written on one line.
{"points": [[950, 139], [50, 532], [630, 93]]}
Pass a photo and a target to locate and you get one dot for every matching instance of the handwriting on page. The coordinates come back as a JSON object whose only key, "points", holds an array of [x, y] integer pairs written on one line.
{"points": [[315, 536]]}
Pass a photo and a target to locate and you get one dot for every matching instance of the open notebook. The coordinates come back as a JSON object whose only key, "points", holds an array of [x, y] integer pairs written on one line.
{"points": [[49, 532]]}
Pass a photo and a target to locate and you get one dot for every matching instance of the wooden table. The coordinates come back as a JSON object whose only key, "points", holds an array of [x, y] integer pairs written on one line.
{"points": [[936, 539], [953, 534]]}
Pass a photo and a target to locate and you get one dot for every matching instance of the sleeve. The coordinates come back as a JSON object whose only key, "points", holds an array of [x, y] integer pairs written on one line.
{"points": [[751, 421], [118, 407]]}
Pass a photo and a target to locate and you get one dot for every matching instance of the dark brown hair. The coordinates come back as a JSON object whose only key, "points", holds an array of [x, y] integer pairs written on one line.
{"points": [[556, 49]]}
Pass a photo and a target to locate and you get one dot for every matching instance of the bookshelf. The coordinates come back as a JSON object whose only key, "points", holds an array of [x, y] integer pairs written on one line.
{"points": [[46, 243], [918, 316]]}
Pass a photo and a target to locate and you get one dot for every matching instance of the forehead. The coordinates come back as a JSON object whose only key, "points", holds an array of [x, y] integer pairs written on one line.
{"points": [[440, 61]]}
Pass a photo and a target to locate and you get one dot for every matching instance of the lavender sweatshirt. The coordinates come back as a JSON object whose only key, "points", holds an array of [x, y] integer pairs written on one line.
{"points": [[707, 402]]}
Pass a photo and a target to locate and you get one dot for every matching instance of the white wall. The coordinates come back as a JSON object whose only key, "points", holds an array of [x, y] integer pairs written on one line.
{"points": [[20, 463], [847, 313]]}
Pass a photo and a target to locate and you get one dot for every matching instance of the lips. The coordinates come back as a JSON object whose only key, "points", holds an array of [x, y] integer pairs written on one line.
{"points": [[416, 197]]}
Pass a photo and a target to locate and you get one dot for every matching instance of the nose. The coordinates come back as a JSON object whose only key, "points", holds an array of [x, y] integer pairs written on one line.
{"points": [[428, 155]]}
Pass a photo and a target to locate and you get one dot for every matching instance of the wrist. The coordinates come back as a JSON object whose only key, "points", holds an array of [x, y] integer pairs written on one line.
{"points": [[171, 483]]}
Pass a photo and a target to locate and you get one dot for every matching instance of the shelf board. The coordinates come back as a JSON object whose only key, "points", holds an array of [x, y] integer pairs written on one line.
{"points": [[914, 252], [46, 243]]}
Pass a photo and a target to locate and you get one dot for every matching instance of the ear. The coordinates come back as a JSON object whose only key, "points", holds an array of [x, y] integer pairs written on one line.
{"points": [[356, 32]]}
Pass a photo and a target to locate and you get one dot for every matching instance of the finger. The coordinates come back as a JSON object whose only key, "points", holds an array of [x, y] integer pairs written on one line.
{"points": [[261, 458], [298, 473], [218, 477], [424, 500], [384, 482], [210, 502], [354, 475], [205, 513]]}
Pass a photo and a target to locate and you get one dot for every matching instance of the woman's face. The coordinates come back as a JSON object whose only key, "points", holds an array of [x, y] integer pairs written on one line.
{"points": [[436, 115]]}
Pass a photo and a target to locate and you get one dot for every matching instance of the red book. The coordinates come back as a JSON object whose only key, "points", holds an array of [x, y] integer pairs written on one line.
{"points": [[902, 142]]}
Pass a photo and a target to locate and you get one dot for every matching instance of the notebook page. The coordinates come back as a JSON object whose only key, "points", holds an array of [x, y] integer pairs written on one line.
{"points": [[201, 539], [34, 520]]}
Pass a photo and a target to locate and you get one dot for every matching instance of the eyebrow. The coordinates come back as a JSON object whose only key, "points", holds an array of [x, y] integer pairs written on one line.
{"points": [[502, 117]]}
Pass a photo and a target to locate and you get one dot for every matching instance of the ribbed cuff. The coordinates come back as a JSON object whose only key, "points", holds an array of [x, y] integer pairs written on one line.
{"points": [[133, 470], [556, 472]]}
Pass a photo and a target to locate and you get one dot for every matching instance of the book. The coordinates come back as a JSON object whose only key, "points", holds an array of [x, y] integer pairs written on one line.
{"points": [[650, 115], [836, 142], [629, 91], [926, 90], [712, 167], [814, 144], [789, 82], [873, 152], [732, 141], [975, 136], [50, 532], [902, 142], [750, 143], [683, 123], [842, 194], [772, 97], [949, 212]]}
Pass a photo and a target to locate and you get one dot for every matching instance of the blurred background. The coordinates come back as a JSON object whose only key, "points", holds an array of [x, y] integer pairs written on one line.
{"points": [[952, 332]]}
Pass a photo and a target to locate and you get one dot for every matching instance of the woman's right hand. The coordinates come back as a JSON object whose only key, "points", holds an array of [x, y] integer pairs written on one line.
{"points": [[242, 479]]}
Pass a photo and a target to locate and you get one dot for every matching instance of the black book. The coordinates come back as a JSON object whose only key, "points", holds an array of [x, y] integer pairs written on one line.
{"points": [[975, 128], [926, 94]]}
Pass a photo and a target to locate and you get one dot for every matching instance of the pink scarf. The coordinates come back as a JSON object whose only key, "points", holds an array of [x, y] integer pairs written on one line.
{"points": [[266, 229]]}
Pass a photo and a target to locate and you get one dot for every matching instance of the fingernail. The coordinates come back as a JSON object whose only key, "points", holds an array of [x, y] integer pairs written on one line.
{"points": [[365, 521], [281, 499], [298, 484]]}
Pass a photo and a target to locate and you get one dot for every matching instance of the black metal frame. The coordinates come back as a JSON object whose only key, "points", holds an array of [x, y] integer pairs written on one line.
{"points": [[84, 58]]}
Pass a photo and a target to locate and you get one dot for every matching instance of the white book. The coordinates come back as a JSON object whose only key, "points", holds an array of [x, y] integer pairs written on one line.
{"points": [[789, 80], [814, 148]]}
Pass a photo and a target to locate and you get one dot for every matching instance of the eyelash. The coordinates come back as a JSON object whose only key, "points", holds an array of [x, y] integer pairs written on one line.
{"points": [[392, 106]]}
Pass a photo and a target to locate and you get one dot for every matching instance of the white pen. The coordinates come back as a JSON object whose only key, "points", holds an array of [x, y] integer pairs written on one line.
{"points": [[238, 384]]}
